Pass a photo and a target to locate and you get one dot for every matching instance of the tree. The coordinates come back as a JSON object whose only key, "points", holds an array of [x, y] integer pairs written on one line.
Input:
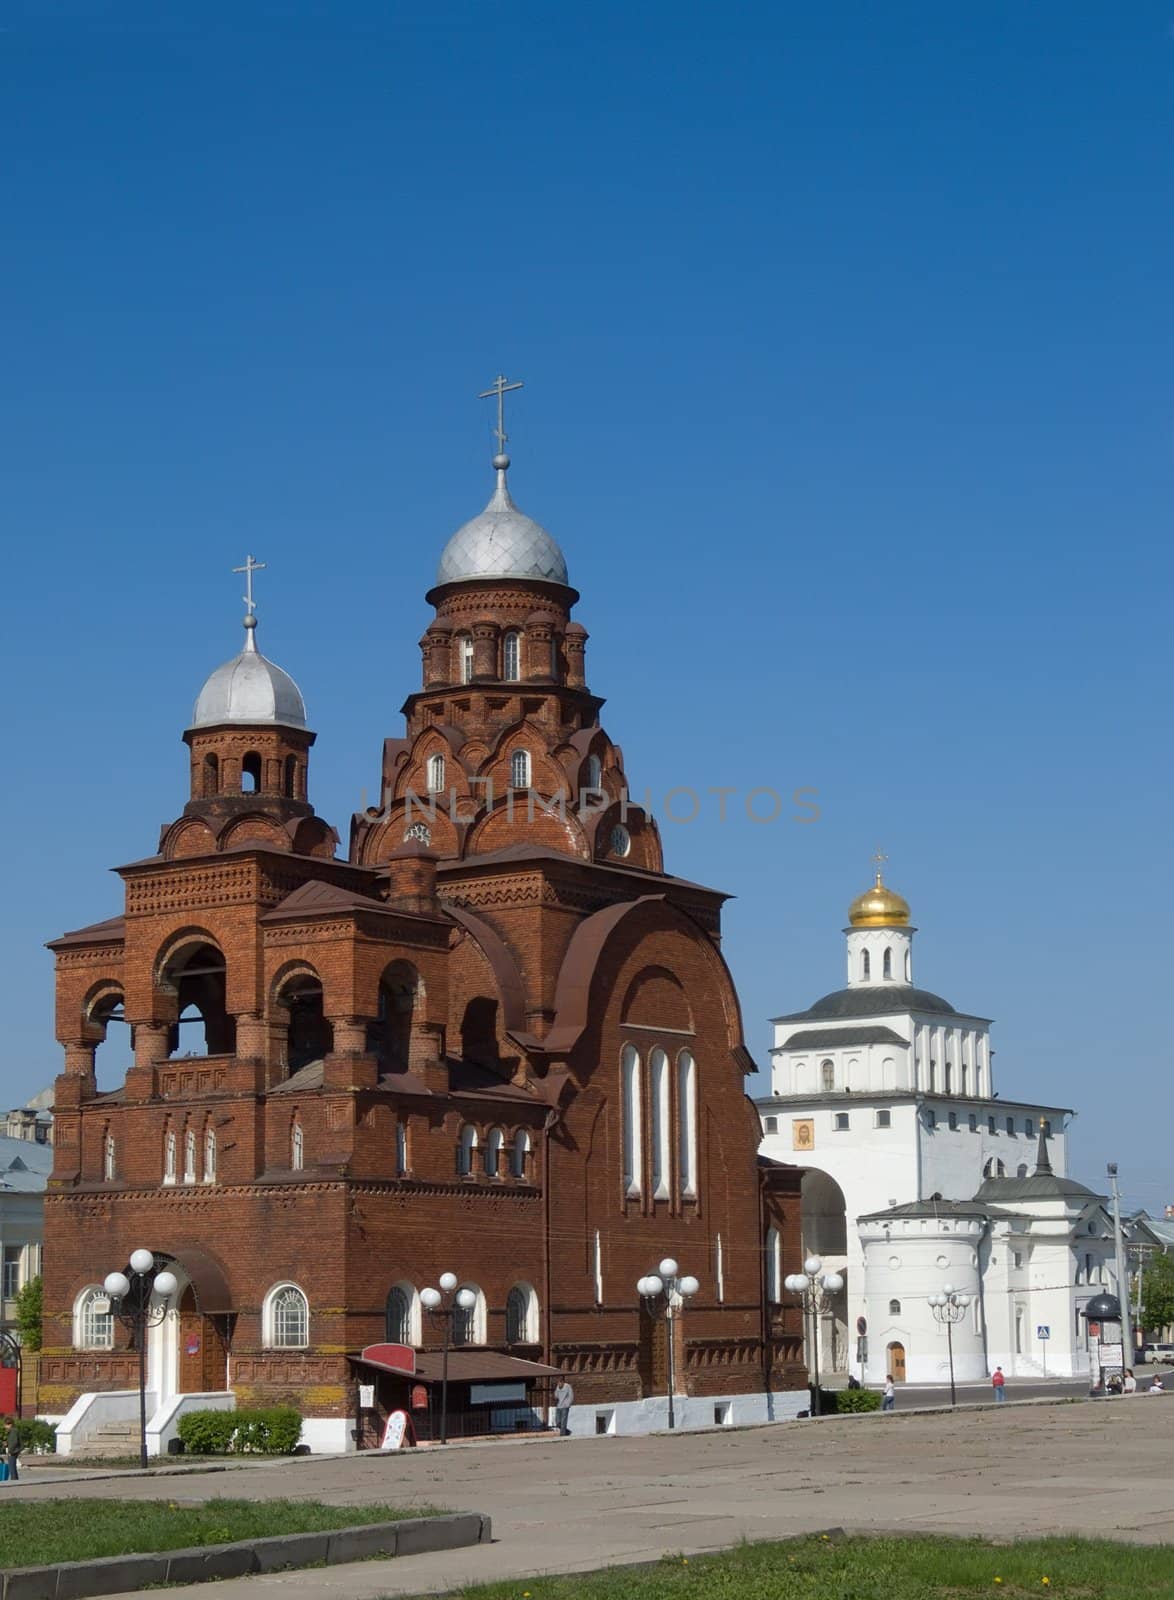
{"points": [[1157, 1294], [29, 1305]]}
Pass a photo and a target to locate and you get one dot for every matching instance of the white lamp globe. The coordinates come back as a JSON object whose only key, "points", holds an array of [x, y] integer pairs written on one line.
{"points": [[448, 1281], [652, 1284], [947, 1289], [430, 1298], [117, 1285], [794, 1283], [166, 1283], [937, 1300], [642, 1286], [466, 1299], [142, 1260], [963, 1299], [833, 1282], [812, 1265], [668, 1268], [689, 1285]]}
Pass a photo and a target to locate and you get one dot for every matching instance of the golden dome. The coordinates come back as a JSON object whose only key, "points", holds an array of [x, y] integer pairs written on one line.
{"points": [[879, 907]]}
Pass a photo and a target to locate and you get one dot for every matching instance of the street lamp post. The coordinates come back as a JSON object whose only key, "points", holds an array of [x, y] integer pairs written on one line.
{"points": [[949, 1308], [666, 1288], [434, 1302], [131, 1302], [814, 1288]]}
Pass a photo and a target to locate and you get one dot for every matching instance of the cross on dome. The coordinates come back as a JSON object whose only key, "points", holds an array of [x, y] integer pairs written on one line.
{"points": [[500, 387]]}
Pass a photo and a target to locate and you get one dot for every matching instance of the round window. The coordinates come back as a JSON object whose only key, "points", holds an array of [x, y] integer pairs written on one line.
{"points": [[621, 840], [943, 1262], [894, 1262]]}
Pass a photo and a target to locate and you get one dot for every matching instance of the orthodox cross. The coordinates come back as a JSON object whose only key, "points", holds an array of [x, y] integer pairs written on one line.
{"points": [[248, 569], [880, 858], [501, 387]]}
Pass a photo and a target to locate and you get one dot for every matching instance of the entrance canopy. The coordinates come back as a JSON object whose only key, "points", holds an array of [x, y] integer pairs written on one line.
{"points": [[464, 1366]]}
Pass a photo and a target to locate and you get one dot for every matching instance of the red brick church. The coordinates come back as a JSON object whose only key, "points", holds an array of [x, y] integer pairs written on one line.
{"points": [[494, 1039]]}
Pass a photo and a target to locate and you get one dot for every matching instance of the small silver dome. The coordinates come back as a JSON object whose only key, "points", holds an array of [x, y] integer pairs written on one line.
{"points": [[250, 689], [502, 543]]}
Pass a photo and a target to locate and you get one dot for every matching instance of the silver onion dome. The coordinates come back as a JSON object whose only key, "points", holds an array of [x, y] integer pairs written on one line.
{"points": [[250, 689], [502, 543]]}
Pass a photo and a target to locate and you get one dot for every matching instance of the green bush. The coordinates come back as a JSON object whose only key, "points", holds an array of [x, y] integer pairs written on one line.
{"points": [[208, 1433], [857, 1400], [269, 1430], [37, 1435]]}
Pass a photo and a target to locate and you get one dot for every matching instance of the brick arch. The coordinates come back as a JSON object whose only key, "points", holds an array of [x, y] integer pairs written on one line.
{"points": [[387, 836], [177, 941], [656, 998], [313, 837], [253, 828], [437, 739], [101, 997], [645, 850], [189, 837], [510, 823]]}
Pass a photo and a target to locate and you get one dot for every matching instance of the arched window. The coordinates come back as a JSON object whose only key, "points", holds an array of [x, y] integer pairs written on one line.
{"points": [[493, 1148], [468, 1324], [908, 966], [511, 657], [594, 772], [827, 1076], [1021, 1170], [865, 966], [401, 1149], [887, 965], [251, 773], [465, 657], [774, 1266], [93, 1329], [209, 1154], [189, 1156], [687, 1124], [520, 769], [555, 661], [285, 1318], [520, 1155], [170, 1156], [466, 1145], [633, 1132], [965, 1076], [436, 774], [521, 1315], [894, 1308], [297, 1146], [658, 1064], [211, 776], [949, 1080], [109, 1158], [402, 1320], [291, 776]]}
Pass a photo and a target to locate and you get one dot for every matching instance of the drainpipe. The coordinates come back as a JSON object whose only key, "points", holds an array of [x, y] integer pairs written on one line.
{"points": [[764, 1307], [551, 1119], [983, 1238]]}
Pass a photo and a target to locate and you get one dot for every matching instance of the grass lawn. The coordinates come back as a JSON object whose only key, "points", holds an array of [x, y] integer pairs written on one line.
{"points": [[39, 1532], [874, 1569]]}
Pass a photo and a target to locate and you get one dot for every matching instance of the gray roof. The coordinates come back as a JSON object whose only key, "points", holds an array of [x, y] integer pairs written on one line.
{"points": [[250, 689], [934, 1208], [25, 1165], [502, 542], [1039, 1186], [813, 1038], [873, 1000]]}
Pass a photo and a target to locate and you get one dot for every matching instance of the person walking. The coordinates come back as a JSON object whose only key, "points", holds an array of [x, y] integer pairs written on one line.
{"points": [[11, 1447], [888, 1394], [999, 1384], [564, 1399]]}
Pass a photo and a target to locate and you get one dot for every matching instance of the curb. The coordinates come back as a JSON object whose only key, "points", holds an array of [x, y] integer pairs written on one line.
{"points": [[75, 1580]]}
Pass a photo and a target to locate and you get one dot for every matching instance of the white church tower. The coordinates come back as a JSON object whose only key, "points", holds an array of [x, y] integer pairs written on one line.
{"points": [[884, 1092]]}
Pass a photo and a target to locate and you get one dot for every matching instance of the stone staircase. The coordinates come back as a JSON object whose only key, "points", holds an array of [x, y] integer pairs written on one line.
{"points": [[111, 1440]]}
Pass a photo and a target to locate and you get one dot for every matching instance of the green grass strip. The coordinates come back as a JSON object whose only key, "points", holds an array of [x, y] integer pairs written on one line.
{"points": [[41, 1532], [874, 1569]]}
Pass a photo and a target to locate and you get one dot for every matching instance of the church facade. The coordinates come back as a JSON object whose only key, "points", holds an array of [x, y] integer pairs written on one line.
{"points": [[493, 1039]]}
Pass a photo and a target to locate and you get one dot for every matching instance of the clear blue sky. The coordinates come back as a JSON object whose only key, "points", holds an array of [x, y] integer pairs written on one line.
{"points": [[846, 334]]}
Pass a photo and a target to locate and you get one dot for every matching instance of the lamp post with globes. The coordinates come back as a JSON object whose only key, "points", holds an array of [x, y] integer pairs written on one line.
{"points": [[949, 1307], [815, 1289], [668, 1291], [133, 1302], [434, 1302]]}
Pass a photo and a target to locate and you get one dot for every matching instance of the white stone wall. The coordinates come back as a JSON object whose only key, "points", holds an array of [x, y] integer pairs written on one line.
{"points": [[897, 943]]}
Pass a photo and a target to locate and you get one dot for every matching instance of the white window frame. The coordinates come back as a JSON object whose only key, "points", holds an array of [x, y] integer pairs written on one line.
{"points": [[209, 1154], [521, 769], [632, 1078], [530, 1333], [109, 1158], [401, 1149], [660, 1099], [170, 1156], [297, 1146], [687, 1124], [92, 1330], [774, 1267], [477, 1316], [435, 773], [414, 1315], [465, 657], [274, 1315], [519, 1155], [494, 1146], [189, 1155], [466, 1150], [511, 647]]}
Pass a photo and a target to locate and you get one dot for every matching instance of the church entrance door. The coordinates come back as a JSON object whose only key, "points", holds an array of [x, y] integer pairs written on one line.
{"points": [[203, 1362], [896, 1355]]}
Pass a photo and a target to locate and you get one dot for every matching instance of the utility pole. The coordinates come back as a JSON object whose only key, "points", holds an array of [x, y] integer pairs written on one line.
{"points": [[1122, 1273]]}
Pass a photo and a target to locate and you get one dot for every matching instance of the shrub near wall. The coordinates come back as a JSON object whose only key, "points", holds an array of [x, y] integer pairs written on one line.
{"points": [[270, 1430], [857, 1400]]}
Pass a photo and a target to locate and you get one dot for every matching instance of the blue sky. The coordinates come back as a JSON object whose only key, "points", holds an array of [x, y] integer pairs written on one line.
{"points": [[847, 346]]}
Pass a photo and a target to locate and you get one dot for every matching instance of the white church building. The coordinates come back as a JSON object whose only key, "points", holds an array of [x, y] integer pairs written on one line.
{"points": [[920, 1175]]}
